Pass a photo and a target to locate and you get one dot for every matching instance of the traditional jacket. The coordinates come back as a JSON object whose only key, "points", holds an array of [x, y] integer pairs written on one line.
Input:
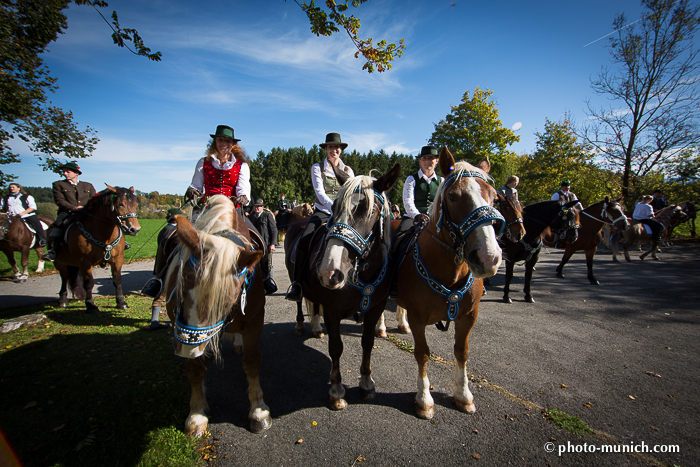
{"points": [[419, 193], [231, 179], [68, 196], [265, 224]]}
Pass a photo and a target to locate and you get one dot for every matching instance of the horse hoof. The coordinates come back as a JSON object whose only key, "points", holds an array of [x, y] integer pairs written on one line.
{"points": [[484, 293], [92, 310], [367, 394], [123, 307], [404, 329], [238, 350], [258, 426], [338, 404], [561, 276], [319, 334], [529, 299], [62, 304], [465, 407], [507, 300], [594, 282], [615, 260], [358, 317], [299, 332], [425, 414], [380, 333]]}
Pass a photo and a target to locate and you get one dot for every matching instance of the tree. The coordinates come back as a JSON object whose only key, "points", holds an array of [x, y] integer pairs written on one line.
{"points": [[472, 131], [654, 90]]}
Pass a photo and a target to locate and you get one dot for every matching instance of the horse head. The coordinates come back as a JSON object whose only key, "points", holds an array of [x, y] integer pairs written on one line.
{"points": [[612, 210], [360, 220], [124, 206], [213, 266], [463, 209], [512, 213], [566, 222]]}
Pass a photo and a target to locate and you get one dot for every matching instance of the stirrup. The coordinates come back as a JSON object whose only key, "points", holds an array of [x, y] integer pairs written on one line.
{"points": [[294, 292], [50, 255], [152, 288], [270, 286]]}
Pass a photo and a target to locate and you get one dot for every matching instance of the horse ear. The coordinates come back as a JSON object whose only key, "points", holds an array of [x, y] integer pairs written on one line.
{"points": [[187, 235], [131, 189], [607, 200], [247, 259], [386, 181], [341, 175], [111, 188], [447, 162], [571, 204], [485, 165]]}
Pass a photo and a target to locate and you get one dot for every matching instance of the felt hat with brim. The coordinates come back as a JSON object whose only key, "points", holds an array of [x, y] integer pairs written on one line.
{"points": [[224, 131], [172, 212], [428, 151], [333, 138], [71, 166], [258, 202], [565, 183]]}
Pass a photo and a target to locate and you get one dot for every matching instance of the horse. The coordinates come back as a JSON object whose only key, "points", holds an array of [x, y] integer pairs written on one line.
{"points": [[351, 263], [285, 219], [592, 220], [637, 233], [15, 235], [666, 217], [536, 218], [212, 284], [439, 272], [95, 236]]}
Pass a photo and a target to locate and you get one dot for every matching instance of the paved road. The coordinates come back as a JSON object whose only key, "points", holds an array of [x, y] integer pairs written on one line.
{"points": [[623, 357]]}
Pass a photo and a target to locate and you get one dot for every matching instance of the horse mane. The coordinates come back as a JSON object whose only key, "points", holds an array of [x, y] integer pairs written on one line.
{"points": [[104, 198], [460, 167], [218, 287], [362, 183]]}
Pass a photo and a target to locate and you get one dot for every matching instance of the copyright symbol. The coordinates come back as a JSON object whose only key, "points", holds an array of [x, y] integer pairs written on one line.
{"points": [[549, 447]]}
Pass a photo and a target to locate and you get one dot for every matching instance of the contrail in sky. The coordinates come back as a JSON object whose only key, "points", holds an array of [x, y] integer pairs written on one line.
{"points": [[603, 37]]}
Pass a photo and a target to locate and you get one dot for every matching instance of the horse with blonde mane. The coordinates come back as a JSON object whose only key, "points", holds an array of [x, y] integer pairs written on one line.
{"points": [[213, 286]]}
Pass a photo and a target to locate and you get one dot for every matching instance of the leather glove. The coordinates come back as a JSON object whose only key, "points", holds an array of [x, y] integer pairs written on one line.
{"points": [[421, 219], [242, 200], [192, 193]]}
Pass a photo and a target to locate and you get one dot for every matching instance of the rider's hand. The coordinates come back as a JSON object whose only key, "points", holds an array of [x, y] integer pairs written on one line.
{"points": [[192, 193], [421, 219], [242, 200]]}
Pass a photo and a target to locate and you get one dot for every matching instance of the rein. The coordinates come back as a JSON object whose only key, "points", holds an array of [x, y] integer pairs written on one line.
{"points": [[603, 214], [5, 228], [518, 220], [107, 247]]}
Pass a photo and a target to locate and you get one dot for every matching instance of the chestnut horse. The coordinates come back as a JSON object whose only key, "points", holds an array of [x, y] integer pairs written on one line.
{"points": [[351, 264], [16, 236], [94, 237], [212, 286], [286, 219], [439, 275], [636, 233], [537, 217], [592, 220]]}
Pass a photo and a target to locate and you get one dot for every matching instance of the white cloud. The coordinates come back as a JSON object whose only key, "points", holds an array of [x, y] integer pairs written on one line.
{"points": [[517, 126]]}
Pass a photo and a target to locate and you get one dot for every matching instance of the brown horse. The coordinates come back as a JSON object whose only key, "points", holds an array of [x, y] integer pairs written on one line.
{"points": [[592, 220], [439, 275], [16, 236], [351, 263], [672, 215], [212, 285], [95, 236]]}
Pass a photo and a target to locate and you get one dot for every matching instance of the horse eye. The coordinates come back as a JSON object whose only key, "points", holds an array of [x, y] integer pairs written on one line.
{"points": [[452, 197]]}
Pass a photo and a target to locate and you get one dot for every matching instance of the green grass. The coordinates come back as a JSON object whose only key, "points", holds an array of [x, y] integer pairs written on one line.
{"points": [[568, 422], [93, 390], [143, 246]]}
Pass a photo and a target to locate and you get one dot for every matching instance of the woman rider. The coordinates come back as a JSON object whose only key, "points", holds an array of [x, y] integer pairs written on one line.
{"points": [[223, 171], [644, 213], [326, 187]]}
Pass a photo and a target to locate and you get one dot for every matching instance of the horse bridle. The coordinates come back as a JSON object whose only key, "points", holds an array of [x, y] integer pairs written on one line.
{"points": [[5, 228], [192, 335], [605, 214], [481, 215], [518, 220]]}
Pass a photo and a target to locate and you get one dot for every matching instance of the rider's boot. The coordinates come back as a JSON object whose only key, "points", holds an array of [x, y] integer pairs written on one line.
{"points": [[294, 291], [53, 241]]}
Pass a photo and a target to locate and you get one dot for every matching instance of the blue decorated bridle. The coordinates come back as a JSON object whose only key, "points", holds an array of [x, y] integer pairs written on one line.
{"points": [[199, 335], [362, 246]]}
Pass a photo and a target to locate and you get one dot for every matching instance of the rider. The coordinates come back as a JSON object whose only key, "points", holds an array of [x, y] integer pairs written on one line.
{"points": [[644, 213], [161, 261], [566, 195], [420, 189], [284, 205], [71, 195], [509, 188], [326, 187], [20, 204], [263, 220]]}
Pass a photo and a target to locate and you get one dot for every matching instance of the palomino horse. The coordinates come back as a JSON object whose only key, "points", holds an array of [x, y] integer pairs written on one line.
{"points": [[439, 275], [16, 236], [95, 237], [592, 219], [212, 285], [537, 217], [285, 219], [351, 267], [636, 233]]}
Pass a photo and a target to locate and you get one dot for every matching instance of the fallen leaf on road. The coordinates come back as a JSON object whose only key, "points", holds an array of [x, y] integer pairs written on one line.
{"points": [[654, 428], [632, 397], [476, 456], [299, 441], [651, 373]]}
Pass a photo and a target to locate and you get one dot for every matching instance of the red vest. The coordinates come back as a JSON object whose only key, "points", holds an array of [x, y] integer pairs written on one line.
{"points": [[220, 182]]}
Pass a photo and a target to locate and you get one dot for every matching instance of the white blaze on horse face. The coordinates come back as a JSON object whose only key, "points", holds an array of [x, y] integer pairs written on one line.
{"points": [[331, 271], [488, 250], [189, 309]]}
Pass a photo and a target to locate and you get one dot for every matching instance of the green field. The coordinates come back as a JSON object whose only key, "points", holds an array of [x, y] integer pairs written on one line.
{"points": [[143, 246]]}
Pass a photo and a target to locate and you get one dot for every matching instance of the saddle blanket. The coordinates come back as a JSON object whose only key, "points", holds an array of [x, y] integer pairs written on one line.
{"points": [[31, 229], [647, 229]]}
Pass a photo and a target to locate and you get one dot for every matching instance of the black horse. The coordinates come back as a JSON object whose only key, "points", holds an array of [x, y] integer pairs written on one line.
{"points": [[537, 217]]}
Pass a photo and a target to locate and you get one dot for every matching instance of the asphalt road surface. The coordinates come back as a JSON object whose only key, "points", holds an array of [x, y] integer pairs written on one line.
{"points": [[624, 357]]}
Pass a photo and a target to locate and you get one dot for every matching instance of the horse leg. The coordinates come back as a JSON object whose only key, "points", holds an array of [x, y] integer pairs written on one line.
{"points": [[315, 310], [63, 292], [509, 277], [590, 253], [568, 253], [335, 350], [259, 416], [380, 330], [462, 395], [25, 265], [367, 387], [424, 401], [196, 423], [651, 250], [75, 280], [13, 264], [299, 327], [404, 328], [40, 262], [625, 249], [615, 244], [88, 284], [237, 344], [117, 282], [529, 269]]}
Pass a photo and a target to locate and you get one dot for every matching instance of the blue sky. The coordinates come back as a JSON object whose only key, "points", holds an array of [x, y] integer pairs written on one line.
{"points": [[255, 66]]}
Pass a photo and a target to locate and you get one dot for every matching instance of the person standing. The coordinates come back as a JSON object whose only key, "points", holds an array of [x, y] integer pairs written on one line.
{"points": [[20, 204], [326, 186], [264, 222], [509, 189], [71, 195], [420, 189]]}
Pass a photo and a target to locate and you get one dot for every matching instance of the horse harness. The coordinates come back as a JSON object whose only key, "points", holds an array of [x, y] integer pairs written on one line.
{"points": [[108, 246], [199, 335], [605, 214], [518, 220]]}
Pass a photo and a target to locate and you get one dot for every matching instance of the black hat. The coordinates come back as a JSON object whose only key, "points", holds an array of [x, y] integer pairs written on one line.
{"points": [[428, 151], [333, 138], [258, 202], [224, 131], [71, 166]]}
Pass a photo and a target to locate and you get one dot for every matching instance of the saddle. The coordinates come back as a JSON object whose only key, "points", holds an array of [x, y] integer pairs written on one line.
{"points": [[314, 244]]}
